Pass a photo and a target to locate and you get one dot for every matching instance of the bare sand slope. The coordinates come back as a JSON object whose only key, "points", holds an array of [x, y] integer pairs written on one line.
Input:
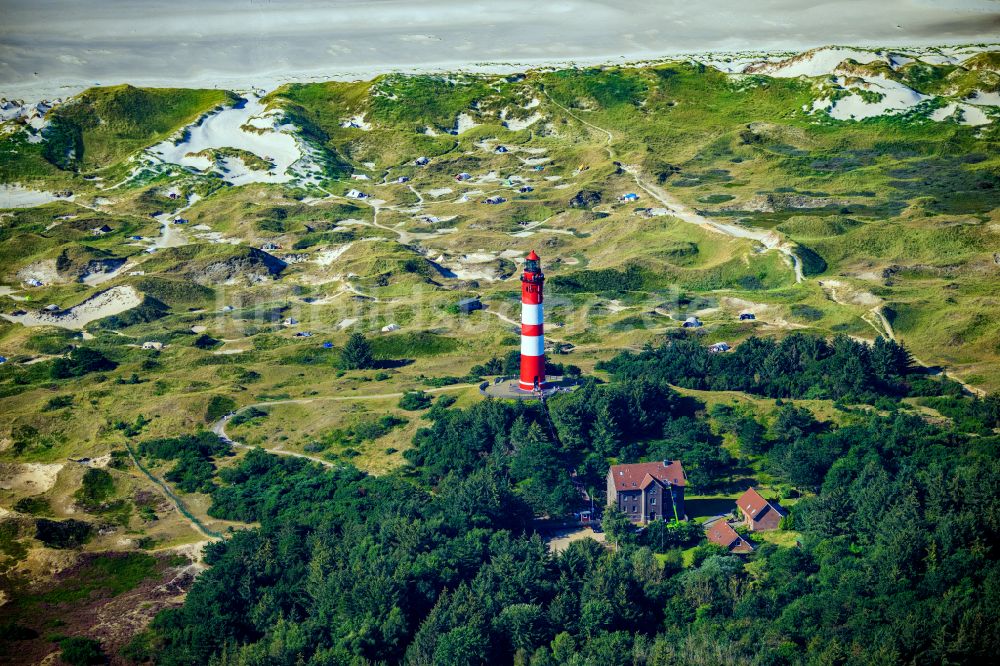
{"points": [[111, 302], [51, 48], [31, 478]]}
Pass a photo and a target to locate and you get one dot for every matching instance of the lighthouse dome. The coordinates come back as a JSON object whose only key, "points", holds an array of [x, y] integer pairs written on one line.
{"points": [[532, 256]]}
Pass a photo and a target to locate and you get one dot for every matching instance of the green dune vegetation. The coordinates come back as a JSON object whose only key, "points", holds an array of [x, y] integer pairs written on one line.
{"points": [[241, 400]]}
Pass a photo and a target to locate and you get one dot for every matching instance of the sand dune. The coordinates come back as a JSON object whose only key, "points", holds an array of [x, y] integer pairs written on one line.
{"points": [[111, 302]]}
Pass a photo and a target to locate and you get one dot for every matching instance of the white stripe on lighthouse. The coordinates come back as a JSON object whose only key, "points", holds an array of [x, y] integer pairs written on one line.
{"points": [[531, 313], [532, 345]]}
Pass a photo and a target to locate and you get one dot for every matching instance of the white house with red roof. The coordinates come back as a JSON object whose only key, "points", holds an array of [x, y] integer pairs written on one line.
{"points": [[648, 491]]}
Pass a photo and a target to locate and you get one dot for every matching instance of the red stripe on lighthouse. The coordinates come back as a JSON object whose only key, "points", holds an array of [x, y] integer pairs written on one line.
{"points": [[532, 325]]}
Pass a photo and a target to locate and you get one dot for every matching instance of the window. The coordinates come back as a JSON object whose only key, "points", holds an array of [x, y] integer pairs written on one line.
{"points": [[652, 501]]}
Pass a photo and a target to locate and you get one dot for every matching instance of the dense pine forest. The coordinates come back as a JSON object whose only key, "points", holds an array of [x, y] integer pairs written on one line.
{"points": [[439, 563]]}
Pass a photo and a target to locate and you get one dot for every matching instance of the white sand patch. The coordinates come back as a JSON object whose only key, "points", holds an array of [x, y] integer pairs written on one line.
{"points": [[842, 292], [105, 304], [463, 123], [439, 192], [895, 98], [271, 141], [966, 114], [981, 98], [553, 179], [516, 125], [227, 352], [327, 257], [15, 196], [34, 478], [532, 104], [345, 323], [356, 122], [95, 279], [817, 62], [973, 115]]}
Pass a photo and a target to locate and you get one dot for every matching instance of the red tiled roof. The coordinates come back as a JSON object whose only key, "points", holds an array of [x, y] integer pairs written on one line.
{"points": [[628, 477], [753, 504], [720, 532]]}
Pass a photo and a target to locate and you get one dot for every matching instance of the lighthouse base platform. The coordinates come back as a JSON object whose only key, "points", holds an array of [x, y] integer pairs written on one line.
{"points": [[510, 389]]}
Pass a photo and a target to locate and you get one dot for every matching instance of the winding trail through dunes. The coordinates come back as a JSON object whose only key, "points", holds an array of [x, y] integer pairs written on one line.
{"points": [[769, 239], [178, 503], [219, 427], [845, 294]]}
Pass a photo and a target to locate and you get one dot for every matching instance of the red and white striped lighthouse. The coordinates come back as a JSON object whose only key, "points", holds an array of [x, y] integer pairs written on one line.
{"points": [[532, 336]]}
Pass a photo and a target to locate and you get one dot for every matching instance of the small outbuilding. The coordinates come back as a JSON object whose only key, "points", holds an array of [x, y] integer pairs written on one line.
{"points": [[722, 533], [152, 344], [356, 194], [32, 282], [422, 161], [101, 230], [51, 307], [500, 150], [747, 316], [692, 322], [463, 176], [525, 189], [327, 345], [495, 200], [291, 321], [630, 196], [719, 347], [3, 359], [390, 328]]}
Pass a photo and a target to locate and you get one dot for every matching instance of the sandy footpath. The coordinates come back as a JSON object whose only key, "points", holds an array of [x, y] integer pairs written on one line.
{"points": [[52, 48]]}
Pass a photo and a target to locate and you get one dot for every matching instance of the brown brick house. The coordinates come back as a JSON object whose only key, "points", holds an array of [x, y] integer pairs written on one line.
{"points": [[722, 533], [648, 491], [758, 513]]}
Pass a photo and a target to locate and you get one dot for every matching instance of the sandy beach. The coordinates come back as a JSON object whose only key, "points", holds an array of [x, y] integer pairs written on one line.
{"points": [[50, 48]]}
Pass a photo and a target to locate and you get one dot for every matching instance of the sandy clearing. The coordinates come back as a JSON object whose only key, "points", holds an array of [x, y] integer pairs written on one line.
{"points": [[516, 125], [105, 304], [896, 97], [327, 257], [225, 128], [34, 478], [16, 196], [561, 540]]}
